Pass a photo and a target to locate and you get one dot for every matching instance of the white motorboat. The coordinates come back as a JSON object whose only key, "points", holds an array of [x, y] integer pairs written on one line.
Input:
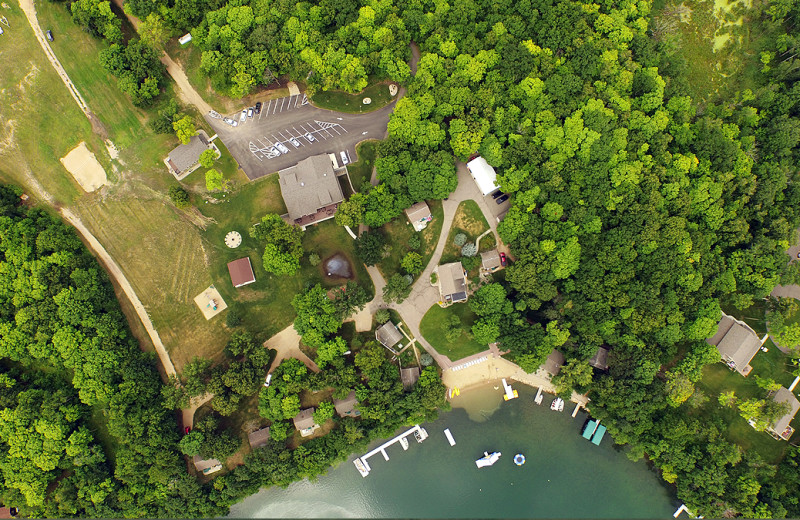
{"points": [[558, 405], [487, 459]]}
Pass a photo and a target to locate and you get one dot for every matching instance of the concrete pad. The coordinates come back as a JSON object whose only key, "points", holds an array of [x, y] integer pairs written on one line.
{"points": [[203, 302], [293, 88], [85, 168]]}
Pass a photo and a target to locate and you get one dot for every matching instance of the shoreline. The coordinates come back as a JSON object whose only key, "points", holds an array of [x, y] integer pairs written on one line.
{"points": [[493, 370]]}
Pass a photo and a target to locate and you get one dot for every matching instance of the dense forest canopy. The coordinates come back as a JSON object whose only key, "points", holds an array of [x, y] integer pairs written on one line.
{"points": [[637, 211]]}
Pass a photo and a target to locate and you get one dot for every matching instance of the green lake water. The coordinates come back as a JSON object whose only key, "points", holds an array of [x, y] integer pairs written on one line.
{"points": [[565, 476]]}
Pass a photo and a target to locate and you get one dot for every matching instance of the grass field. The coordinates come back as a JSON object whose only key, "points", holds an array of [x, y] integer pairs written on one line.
{"points": [[469, 220], [361, 170], [433, 331], [398, 232], [353, 103], [39, 120]]}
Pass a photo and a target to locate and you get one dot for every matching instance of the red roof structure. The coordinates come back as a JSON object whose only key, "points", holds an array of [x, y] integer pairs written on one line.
{"points": [[241, 271]]}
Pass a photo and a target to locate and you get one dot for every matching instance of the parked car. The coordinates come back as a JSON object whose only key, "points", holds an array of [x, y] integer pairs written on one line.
{"points": [[274, 152], [502, 199], [310, 137], [295, 142], [243, 117], [268, 380], [230, 121], [258, 107], [503, 260], [343, 155], [50, 35], [281, 147], [250, 112], [496, 194], [187, 430]]}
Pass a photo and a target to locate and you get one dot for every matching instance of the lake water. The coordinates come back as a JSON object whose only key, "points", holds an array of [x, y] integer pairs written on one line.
{"points": [[565, 476]]}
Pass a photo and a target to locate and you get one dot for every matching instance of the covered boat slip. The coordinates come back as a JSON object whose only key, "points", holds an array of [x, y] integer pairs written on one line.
{"points": [[598, 436], [594, 431]]}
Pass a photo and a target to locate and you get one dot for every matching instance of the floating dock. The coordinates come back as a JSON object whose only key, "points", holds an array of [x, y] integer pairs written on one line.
{"points": [[510, 392], [539, 396], [449, 436], [594, 431], [598, 436], [361, 463]]}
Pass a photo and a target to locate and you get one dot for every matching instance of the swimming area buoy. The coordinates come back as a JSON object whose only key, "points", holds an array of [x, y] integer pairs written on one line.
{"points": [[519, 459]]}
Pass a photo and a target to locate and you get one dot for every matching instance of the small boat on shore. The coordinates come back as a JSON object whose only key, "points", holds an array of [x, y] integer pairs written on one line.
{"points": [[487, 459], [558, 405]]}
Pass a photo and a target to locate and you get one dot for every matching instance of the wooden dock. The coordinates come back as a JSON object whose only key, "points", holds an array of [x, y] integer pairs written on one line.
{"points": [[361, 463]]}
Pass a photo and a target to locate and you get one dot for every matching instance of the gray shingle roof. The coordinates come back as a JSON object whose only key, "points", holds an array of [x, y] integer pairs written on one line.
{"points": [[258, 438], [204, 464], [388, 334], [418, 211], [346, 406], [490, 259], [736, 342], [785, 396], [600, 359], [452, 281], [554, 362], [309, 186], [187, 155], [304, 419], [409, 377]]}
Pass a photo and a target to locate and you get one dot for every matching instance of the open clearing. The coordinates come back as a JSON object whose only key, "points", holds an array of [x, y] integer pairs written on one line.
{"points": [[83, 166]]}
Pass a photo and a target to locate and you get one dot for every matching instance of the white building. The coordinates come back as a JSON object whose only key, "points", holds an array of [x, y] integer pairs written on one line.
{"points": [[484, 175]]}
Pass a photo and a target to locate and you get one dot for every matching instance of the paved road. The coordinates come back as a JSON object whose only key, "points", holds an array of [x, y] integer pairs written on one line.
{"points": [[292, 117]]}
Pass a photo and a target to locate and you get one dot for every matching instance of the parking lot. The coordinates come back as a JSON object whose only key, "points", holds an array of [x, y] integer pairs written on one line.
{"points": [[290, 129]]}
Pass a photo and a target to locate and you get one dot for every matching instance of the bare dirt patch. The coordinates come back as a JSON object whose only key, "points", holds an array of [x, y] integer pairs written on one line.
{"points": [[207, 300], [85, 168]]}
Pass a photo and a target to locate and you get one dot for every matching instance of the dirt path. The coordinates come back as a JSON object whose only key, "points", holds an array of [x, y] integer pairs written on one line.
{"points": [[185, 90], [30, 12], [197, 402]]}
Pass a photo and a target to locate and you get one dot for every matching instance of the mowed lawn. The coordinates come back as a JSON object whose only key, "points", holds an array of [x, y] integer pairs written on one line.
{"points": [[400, 230], [469, 220], [432, 329], [360, 172], [39, 121], [354, 103]]}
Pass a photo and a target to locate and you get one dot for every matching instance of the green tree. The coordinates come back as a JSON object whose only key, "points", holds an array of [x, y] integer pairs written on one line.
{"points": [[412, 263], [490, 299], [207, 158], [284, 246], [154, 31], [179, 197], [323, 412], [185, 130], [214, 180], [350, 212], [679, 388], [573, 376], [369, 246], [397, 288]]}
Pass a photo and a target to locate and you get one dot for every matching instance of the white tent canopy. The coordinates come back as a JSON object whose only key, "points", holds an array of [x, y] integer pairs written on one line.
{"points": [[484, 175]]}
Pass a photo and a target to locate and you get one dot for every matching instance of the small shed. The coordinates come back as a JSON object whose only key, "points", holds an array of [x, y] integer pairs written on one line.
{"points": [[304, 422], [553, 363], [388, 334], [258, 438], [409, 377], [347, 407], [600, 359], [483, 174], [419, 215], [780, 429], [490, 260], [206, 466], [241, 272]]}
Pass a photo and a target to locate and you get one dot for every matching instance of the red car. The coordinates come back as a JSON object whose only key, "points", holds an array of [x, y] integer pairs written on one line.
{"points": [[503, 260], [187, 430]]}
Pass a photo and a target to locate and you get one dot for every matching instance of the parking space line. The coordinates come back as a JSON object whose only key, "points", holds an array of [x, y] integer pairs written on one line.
{"points": [[283, 100], [276, 107], [282, 136], [268, 107], [335, 130]]}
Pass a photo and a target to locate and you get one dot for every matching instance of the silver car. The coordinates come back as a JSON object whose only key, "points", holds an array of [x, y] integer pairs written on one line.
{"points": [[295, 142], [230, 121], [243, 117], [309, 136], [343, 155], [281, 147]]}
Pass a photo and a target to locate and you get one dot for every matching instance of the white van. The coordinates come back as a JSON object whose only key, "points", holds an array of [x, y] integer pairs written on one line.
{"points": [[345, 160]]}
